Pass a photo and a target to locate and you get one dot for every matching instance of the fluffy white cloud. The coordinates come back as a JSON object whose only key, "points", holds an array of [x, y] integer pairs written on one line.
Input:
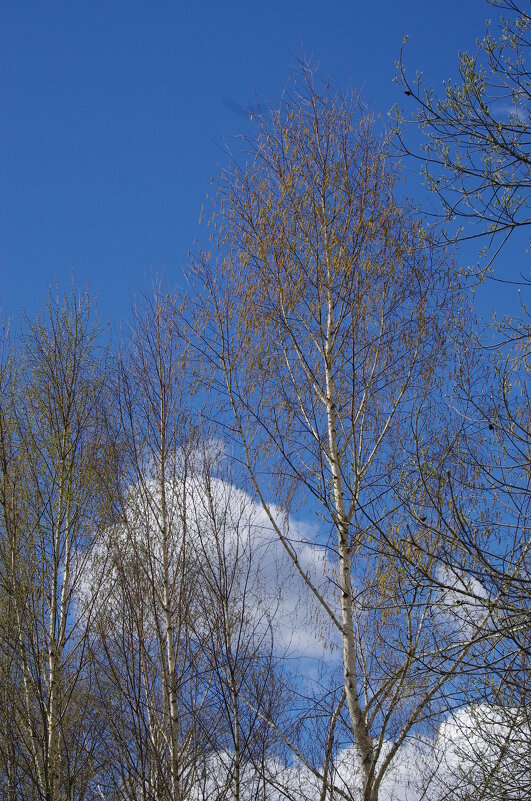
{"points": [[481, 750], [222, 527], [214, 522]]}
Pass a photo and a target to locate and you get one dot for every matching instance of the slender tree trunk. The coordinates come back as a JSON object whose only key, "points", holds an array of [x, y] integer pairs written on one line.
{"points": [[362, 738], [170, 645], [52, 770], [171, 660]]}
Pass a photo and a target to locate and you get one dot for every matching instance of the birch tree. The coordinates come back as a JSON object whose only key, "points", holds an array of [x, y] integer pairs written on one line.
{"points": [[150, 662], [13, 775], [52, 455], [327, 317], [482, 518], [474, 151], [236, 625], [178, 641]]}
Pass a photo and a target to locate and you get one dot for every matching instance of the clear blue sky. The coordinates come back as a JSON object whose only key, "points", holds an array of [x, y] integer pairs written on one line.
{"points": [[113, 117]]}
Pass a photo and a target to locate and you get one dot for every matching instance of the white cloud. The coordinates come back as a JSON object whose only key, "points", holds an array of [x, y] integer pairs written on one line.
{"points": [[468, 743], [510, 111], [463, 601], [213, 520], [474, 746]]}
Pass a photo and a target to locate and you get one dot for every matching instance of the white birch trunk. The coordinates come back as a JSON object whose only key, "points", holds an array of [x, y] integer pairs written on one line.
{"points": [[363, 740]]}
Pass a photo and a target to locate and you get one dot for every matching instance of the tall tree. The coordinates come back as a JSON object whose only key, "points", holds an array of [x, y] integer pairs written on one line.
{"points": [[176, 644], [236, 622], [149, 660], [475, 149], [327, 320], [14, 780], [52, 456], [481, 513]]}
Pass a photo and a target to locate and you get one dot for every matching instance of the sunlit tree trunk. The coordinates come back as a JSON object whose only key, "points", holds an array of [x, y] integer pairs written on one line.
{"points": [[323, 328]]}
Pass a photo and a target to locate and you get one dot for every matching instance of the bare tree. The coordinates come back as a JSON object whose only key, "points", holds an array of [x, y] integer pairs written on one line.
{"points": [[150, 661], [236, 625], [480, 511], [327, 321], [13, 770], [180, 642], [475, 154], [53, 457]]}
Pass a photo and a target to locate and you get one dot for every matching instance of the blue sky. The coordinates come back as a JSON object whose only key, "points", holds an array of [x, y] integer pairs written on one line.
{"points": [[113, 117]]}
